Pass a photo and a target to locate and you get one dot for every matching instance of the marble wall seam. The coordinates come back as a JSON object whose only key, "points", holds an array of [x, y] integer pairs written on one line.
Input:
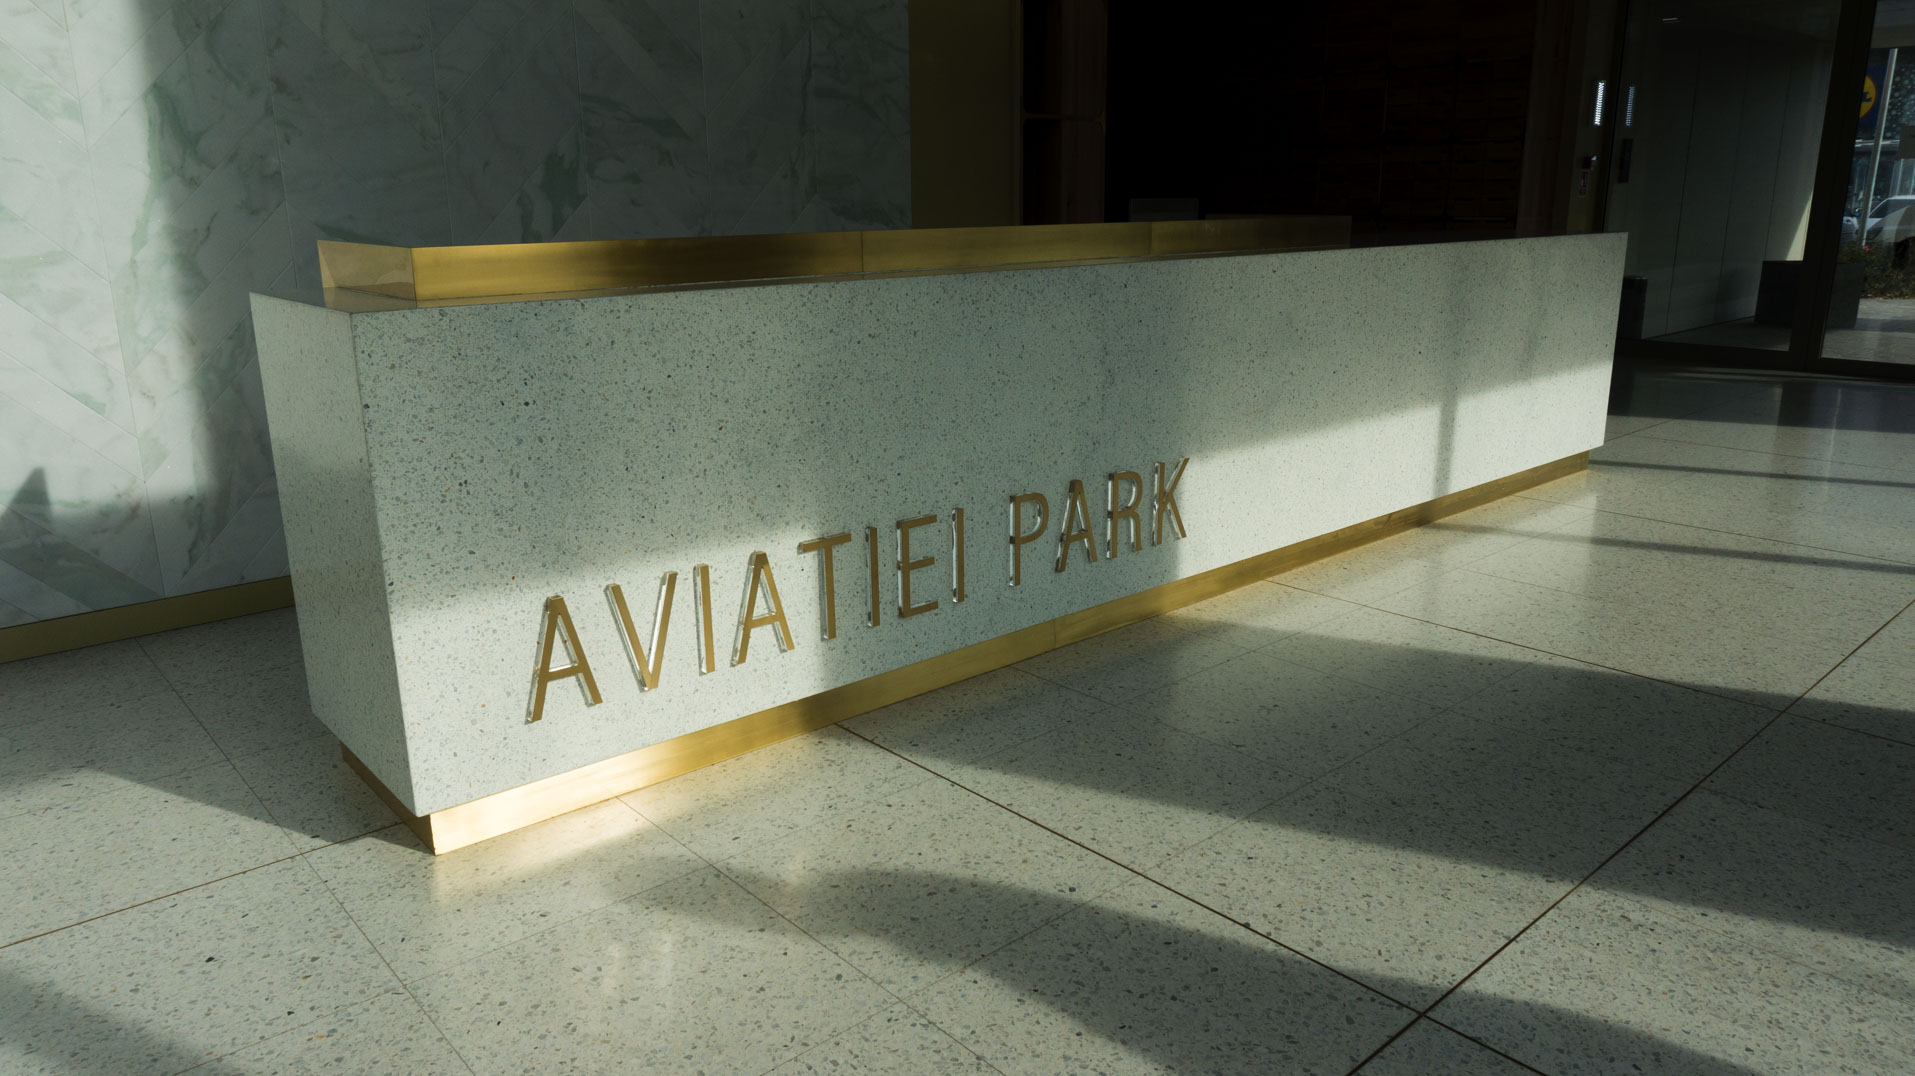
{"points": [[160, 159]]}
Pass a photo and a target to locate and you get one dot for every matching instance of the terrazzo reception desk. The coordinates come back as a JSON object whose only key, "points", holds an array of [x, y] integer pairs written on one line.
{"points": [[549, 548]]}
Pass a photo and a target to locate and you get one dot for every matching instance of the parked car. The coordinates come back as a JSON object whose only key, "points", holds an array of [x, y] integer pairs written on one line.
{"points": [[1892, 220]]}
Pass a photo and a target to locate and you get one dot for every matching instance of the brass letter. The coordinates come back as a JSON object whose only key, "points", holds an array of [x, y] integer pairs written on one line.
{"points": [[906, 566], [557, 617], [648, 669], [871, 563], [1167, 498], [1076, 527], [701, 604], [1126, 509], [1019, 540], [957, 555], [824, 546], [747, 620]]}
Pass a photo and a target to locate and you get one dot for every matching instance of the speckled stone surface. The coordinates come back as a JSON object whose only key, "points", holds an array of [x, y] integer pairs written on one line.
{"points": [[446, 470]]}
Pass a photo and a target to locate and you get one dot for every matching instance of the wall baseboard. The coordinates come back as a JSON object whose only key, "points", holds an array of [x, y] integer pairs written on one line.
{"points": [[145, 618]]}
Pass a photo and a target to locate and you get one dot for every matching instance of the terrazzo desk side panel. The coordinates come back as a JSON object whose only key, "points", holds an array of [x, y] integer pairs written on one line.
{"points": [[521, 450]]}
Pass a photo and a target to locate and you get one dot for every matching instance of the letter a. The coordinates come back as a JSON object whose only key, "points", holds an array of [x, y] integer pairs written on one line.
{"points": [[556, 617]]}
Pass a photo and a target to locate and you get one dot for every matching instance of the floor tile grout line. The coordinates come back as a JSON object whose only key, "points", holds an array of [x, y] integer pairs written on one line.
{"points": [[383, 959], [1721, 530], [1713, 692], [397, 981], [1420, 1018], [151, 900], [1762, 451], [1664, 813], [716, 868], [1138, 873]]}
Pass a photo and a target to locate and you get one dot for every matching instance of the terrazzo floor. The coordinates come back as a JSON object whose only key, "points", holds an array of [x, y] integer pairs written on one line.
{"points": [[1617, 775]]}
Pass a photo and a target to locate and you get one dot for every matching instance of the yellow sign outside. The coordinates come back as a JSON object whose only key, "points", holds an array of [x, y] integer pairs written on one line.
{"points": [[1868, 94]]}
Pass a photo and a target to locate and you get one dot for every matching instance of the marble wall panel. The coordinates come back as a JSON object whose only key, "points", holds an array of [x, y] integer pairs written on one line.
{"points": [[356, 107], [159, 159], [858, 117], [641, 71]]}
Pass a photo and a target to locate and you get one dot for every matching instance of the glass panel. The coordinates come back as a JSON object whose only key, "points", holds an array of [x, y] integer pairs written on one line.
{"points": [[1721, 105], [1872, 306]]}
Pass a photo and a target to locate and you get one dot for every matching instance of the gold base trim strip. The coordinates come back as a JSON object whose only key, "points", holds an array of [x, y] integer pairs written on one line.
{"points": [[531, 270], [145, 618], [503, 812]]}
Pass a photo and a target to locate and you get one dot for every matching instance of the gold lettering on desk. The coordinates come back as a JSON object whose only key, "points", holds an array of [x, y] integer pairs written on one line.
{"points": [[648, 668], [557, 618], [701, 606], [906, 566], [871, 565], [1126, 510], [957, 555], [1018, 538], [829, 586], [750, 619], [1076, 527], [1167, 499]]}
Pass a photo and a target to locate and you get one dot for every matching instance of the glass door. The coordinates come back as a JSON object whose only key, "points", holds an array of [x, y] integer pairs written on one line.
{"points": [[1871, 302], [1720, 107]]}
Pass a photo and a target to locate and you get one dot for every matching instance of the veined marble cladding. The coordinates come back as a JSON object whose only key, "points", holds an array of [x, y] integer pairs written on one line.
{"points": [[159, 159], [520, 450]]}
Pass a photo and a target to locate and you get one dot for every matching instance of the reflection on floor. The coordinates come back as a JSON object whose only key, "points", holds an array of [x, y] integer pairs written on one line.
{"points": [[1615, 776], [1884, 331]]}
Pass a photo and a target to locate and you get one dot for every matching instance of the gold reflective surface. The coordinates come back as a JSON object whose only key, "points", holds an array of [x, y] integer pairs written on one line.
{"points": [[906, 565], [648, 668], [829, 584], [1019, 539], [428, 275], [558, 618]]}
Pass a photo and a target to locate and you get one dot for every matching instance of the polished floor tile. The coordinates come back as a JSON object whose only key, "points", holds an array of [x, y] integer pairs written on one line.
{"points": [[1849, 781], [427, 913], [254, 711], [1524, 803], [1142, 980], [1120, 664], [972, 718], [1297, 718], [1873, 690], [1605, 985], [1836, 903], [1426, 661], [1407, 906], [390, 1033], [39, 688], [693, 975], [1430, 1049], [100, 749], [308, 789], [226, 649], [1257, 615], [1658, 727], [175, 982], [743, 802], [1687, 646], [895, 1040], [914, 887], [117, 848], [1125, 785]]}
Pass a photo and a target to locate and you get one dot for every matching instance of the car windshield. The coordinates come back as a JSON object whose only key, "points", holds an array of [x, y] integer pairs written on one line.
{"points": [[1890, 205]]}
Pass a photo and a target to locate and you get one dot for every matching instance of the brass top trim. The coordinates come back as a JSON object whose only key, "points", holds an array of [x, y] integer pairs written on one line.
{"points": [[351, 273]]}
